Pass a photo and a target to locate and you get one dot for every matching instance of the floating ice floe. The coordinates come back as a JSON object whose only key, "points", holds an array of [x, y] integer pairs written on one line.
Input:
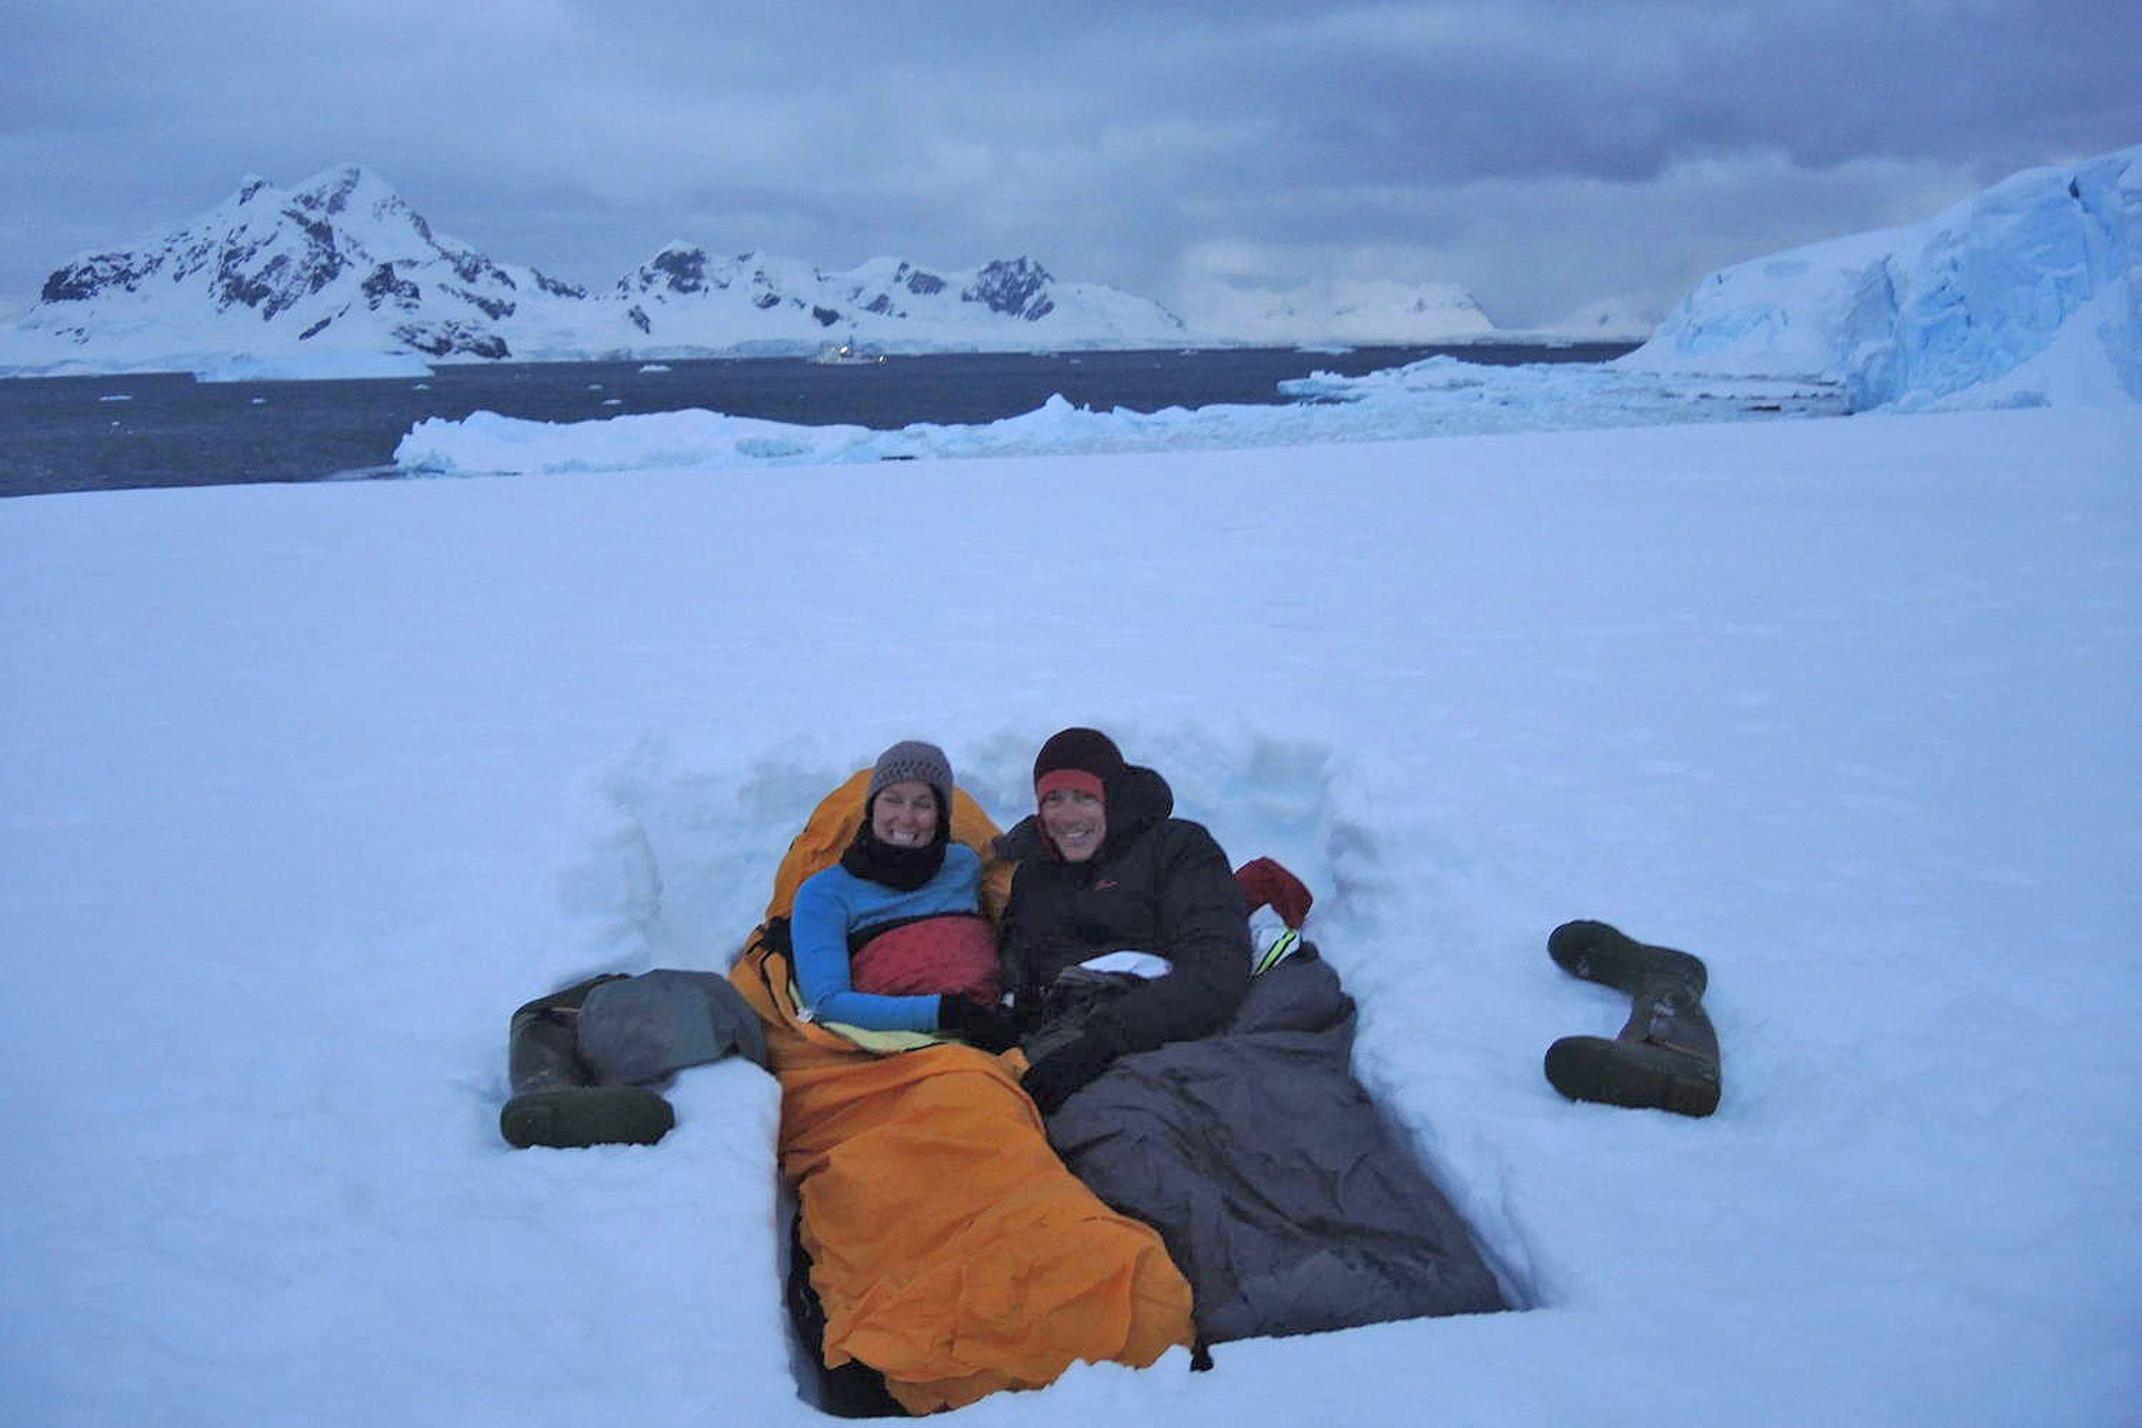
{"points": [[1438, 397]]}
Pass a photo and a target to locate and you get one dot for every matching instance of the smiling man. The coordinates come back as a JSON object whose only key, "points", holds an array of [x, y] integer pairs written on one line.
{"points": [[1126, 928], [1217, 1105]]}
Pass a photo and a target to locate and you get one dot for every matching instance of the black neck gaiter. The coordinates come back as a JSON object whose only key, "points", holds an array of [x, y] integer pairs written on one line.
{"points": [[902, 868]]}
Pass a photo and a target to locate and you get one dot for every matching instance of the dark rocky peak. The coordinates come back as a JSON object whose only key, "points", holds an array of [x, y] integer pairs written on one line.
{"points": [[445, 339], [360, 194], [557, 287], [678, 268], [320, 232], [684, 269], [386, 285], [98, 273], [491, 307], [473, 267], [1014, 288], [330, 192], [916, 281], [249, 188], [269, 276]]}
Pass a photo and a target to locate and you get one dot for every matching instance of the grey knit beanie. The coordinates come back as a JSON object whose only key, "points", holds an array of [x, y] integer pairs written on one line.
{"points": [[911, 758]]}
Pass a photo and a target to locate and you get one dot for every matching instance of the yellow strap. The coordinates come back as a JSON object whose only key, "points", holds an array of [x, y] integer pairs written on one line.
{"points": [[1282, 947]]}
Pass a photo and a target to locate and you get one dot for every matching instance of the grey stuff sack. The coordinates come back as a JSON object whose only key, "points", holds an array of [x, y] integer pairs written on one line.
{"points": [[639, 1030]]}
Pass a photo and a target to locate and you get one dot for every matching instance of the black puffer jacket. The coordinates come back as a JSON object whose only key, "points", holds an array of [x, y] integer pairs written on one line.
{"points": [[1158, 884]]}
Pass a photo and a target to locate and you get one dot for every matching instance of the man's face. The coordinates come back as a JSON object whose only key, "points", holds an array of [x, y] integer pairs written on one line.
{"points": [[1075, 821]]}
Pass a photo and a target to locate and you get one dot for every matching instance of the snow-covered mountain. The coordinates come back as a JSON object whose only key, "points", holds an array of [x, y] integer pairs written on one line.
{"points": [[683, 298], [2025, 294], [1373, 312], [342, 270], [338, 265]]}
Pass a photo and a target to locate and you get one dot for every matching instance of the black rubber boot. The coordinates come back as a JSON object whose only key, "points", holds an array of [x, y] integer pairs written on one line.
{"points": [[1607, 955], [1666, 1056], [855, 1389], [555, 1099]]}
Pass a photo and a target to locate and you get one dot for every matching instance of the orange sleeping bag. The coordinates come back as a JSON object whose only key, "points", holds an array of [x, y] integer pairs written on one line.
{"points": [[953, 1251]]}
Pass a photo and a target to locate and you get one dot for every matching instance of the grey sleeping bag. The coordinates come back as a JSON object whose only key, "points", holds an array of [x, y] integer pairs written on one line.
{"points": [[1284, 1196]]}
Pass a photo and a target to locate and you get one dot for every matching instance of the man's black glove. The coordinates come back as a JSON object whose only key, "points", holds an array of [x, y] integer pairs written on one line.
{"points": [[977, 1025], [1052, 1080]]}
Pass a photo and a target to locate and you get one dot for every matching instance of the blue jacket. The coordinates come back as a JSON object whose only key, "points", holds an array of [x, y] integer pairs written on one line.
{"points": [[834, 904]]}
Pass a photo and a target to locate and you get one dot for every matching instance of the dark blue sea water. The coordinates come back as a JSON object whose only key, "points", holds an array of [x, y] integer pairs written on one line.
{"points": [[113, 433]]}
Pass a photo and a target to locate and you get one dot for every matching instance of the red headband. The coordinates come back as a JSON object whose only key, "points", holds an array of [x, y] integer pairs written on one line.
{"points": [[1076, 779]]}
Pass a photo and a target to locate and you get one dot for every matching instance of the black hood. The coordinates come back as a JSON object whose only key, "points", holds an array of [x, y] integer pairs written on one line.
{"points": [[1138, 797]]}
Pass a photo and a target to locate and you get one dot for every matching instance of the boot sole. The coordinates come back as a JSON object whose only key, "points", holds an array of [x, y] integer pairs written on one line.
{"points": [[1601, 953], [569, 1117], [1637, 1074]]}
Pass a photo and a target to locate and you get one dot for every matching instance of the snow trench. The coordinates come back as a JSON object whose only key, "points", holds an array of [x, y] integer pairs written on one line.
{"points": [[678, 851]]}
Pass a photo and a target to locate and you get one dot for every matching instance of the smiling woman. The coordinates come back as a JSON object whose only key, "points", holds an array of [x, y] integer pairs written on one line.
{"points": [[892, 938], [904, 814]]}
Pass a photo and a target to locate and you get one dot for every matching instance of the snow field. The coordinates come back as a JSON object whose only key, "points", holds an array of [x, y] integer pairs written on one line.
{"points": [[313, 785]]}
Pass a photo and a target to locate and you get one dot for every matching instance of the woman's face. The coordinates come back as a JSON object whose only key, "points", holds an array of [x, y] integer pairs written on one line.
{"points": [[904, 814], [1075, 821]]}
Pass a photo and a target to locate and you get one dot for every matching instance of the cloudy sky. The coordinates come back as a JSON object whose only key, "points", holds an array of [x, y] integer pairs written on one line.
{"points": [[1544, 155]]}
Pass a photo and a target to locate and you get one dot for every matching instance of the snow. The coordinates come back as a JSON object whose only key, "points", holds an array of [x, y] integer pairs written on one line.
{"points": [[306, 787], [2029, 293]]}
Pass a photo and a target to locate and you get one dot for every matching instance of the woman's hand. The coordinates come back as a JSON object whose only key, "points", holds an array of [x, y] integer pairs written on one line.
{"points": [[988, 1028]]}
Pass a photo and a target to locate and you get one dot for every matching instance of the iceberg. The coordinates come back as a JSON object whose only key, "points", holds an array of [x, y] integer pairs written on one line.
{"points": [[2027, 294]]}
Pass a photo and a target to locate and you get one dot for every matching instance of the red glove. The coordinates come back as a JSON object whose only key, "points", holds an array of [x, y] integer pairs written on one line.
{"points": [[1266, 883]]}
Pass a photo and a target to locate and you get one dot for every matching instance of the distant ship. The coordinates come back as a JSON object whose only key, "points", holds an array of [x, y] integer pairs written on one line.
{"points": [[847, 354]]}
